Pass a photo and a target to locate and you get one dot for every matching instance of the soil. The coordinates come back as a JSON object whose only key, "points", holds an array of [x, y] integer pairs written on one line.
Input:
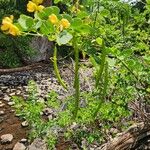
{"points": [[11, 124]]}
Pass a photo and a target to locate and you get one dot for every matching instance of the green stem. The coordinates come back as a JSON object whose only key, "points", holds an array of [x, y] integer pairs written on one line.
{"points": [[101, 69], [76, 80], [104, 92], [56, 70]]}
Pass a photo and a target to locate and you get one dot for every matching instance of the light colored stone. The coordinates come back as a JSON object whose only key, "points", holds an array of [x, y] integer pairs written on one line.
{"points": [[11, 103], [2, 104], [24, 124], [19, 146], [23, 140], [12, 94], [38, 144], [47, 111], [2, 112], [6, 138], [6, 98]]}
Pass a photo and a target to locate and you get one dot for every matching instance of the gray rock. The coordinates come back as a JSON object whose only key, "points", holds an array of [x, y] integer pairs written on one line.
{"points": [[19, 146], [38, 144], [6, 138]]}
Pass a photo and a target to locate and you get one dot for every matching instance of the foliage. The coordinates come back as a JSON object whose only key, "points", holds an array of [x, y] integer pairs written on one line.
{"points": [[17, 48], [116, 38]]}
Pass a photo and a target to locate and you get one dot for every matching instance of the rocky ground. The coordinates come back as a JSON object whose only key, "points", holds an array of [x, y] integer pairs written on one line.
{"points": [[13, 131]]}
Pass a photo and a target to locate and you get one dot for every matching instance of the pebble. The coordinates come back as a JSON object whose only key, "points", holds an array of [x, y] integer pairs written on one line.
{"points": [[23, 140], [47, 111], [11, 103], [2, 112], [2, 104], [38, 144], [6, 138], [19, 146], [12, 94], [6, 98], [24, 124]]}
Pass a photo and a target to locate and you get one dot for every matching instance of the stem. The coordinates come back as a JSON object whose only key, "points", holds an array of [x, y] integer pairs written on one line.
{"points": [[101, 69], [104, 90], [76, 80], [56, 68]]}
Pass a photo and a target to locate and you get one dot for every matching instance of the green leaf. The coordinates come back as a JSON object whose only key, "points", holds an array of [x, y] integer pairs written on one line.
{"points": [[76, 23], [99, 41], [25, 22], [46, 27], [84, 29], [48, 11], [82, 14], [66, 16], [64, 37]]}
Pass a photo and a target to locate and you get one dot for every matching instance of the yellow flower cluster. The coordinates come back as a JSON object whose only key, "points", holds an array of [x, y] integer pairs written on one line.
{"points": [[8, 26], [63, 23], [33, 6]]}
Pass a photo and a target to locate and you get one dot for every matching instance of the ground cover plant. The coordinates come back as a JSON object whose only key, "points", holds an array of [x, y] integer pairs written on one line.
{"points": [[114, 35]]}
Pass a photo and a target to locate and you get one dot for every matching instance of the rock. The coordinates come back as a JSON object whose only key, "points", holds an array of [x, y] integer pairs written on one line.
{"points": [[19, 146], [47, 111], [6, 98], [6, 138], [2, 104], [38, 144], [24, 124], [23, 141], [11, 103], [43, 50], [50, 117], [2, 112], [1, 93], [12, 94]]}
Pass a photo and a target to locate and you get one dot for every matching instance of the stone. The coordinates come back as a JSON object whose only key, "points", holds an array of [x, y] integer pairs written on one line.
{"points": [[38, 144], [2, 112], [2, 104], [11, 103], [24, 124], [47, 111], [12, 94], [23, 141], [1, 93], [6, 138], [6, 98], [19, 146], [50, 117]]}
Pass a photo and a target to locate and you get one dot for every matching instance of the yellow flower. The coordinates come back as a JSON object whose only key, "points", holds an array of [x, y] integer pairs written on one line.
{"points": [[53, 19], [6, 22], [8, 27], [40, 8], [13, 30], [37, 2], [8, 19], [31, 7], [5, 26], [64, 23]]}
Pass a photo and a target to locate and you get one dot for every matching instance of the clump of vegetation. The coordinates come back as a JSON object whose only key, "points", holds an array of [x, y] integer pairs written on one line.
{"points": [[13, 53], [111, 34]]}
